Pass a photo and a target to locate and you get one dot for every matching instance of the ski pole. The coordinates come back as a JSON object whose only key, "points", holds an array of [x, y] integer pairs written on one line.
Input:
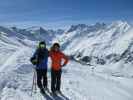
{"points": [[34, 83]]}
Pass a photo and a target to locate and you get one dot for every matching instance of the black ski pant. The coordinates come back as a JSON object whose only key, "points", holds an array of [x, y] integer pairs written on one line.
{"points": [[55, 80], [41, 78]]}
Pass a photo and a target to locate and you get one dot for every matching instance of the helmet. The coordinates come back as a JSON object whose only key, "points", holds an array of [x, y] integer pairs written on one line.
{"points": [[42, 44]]}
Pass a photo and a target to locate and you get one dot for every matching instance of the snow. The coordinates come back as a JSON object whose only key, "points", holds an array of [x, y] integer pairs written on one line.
{"points": [[112, 39], [124, 41], [78, 81], [111, 81]]}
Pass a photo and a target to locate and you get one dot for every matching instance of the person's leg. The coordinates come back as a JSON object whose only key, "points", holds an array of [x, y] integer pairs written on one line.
{"points": [[53, 80], [45, 78], [39, 78], [58, 84]]}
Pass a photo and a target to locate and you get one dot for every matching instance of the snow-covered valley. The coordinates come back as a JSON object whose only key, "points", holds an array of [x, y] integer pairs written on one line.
{"points": [[80, 80]]}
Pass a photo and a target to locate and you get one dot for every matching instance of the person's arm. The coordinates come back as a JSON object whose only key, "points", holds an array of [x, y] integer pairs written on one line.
{"points": [[33, 59], [65, 58]]}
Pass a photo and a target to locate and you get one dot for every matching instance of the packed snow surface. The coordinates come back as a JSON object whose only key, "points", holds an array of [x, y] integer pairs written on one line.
{"points": [[112, 80], [78, 81]]}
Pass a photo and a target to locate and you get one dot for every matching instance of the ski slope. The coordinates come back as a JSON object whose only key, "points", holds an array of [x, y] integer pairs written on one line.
{"points": [[79, 82]]}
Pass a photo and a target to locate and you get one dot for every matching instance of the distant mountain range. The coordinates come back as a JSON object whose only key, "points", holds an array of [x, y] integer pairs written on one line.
{"points": [[90, 44], [100, 43]]}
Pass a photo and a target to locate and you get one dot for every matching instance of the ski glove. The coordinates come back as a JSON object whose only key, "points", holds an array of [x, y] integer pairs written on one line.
{"points": [[33, 61]]}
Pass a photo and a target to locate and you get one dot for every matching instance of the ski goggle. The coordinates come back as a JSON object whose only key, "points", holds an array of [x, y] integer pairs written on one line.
{"points": [[42, 45]]}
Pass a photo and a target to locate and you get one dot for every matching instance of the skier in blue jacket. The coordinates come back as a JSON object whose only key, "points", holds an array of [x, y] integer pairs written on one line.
{"points": [[40, 59]]}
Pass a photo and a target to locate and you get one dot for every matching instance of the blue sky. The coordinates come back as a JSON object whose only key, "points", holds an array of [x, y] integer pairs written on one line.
{"points": [[61, 13]]}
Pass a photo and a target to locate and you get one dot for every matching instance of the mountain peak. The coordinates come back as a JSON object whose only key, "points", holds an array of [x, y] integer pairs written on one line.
{"points": [[75, 27], [120, 23], [84, 26], [34, 28]]}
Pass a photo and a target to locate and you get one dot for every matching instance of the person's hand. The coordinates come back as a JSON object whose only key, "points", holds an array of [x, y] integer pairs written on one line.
{"points": [[34, 62], [63, 65]]}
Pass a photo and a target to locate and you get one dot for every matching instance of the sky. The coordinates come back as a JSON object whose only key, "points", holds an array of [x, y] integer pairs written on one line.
{"points": [[62, 13]]}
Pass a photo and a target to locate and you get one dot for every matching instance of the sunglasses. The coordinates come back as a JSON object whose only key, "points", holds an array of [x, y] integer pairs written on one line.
{"points": [[42, 46]]}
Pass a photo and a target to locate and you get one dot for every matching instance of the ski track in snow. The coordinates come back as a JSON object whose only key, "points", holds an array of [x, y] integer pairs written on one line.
{"points": [[78, 81]]}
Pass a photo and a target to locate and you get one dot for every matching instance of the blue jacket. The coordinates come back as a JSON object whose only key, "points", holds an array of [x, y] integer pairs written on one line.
{"points": [[43, 63]]}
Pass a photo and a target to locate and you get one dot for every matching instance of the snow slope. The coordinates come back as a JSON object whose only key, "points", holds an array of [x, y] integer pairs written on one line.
{"points": [[112, 80], [78, 82]]}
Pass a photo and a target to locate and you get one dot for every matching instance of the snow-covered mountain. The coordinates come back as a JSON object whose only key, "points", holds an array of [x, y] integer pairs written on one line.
{"points": [[100, 43], [102, 54], [31, 33], [96, 44]]}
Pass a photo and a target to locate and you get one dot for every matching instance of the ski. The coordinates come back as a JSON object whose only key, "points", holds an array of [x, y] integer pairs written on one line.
{"points": [[58, 96], [47, 96], [62, 96]]}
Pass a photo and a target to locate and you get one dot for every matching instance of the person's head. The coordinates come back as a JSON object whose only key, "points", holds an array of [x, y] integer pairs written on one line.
{"points": [[42, 44], [56, 47]]}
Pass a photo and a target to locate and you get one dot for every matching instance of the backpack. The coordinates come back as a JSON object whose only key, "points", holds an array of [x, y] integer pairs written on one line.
{"points": [[33, 60]]}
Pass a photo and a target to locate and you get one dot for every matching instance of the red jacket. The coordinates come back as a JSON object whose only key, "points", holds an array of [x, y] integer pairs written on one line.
{"points": [[57, 57]]}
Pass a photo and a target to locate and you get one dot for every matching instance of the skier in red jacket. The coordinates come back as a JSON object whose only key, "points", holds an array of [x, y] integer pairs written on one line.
{"points": [[56, 69]]}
